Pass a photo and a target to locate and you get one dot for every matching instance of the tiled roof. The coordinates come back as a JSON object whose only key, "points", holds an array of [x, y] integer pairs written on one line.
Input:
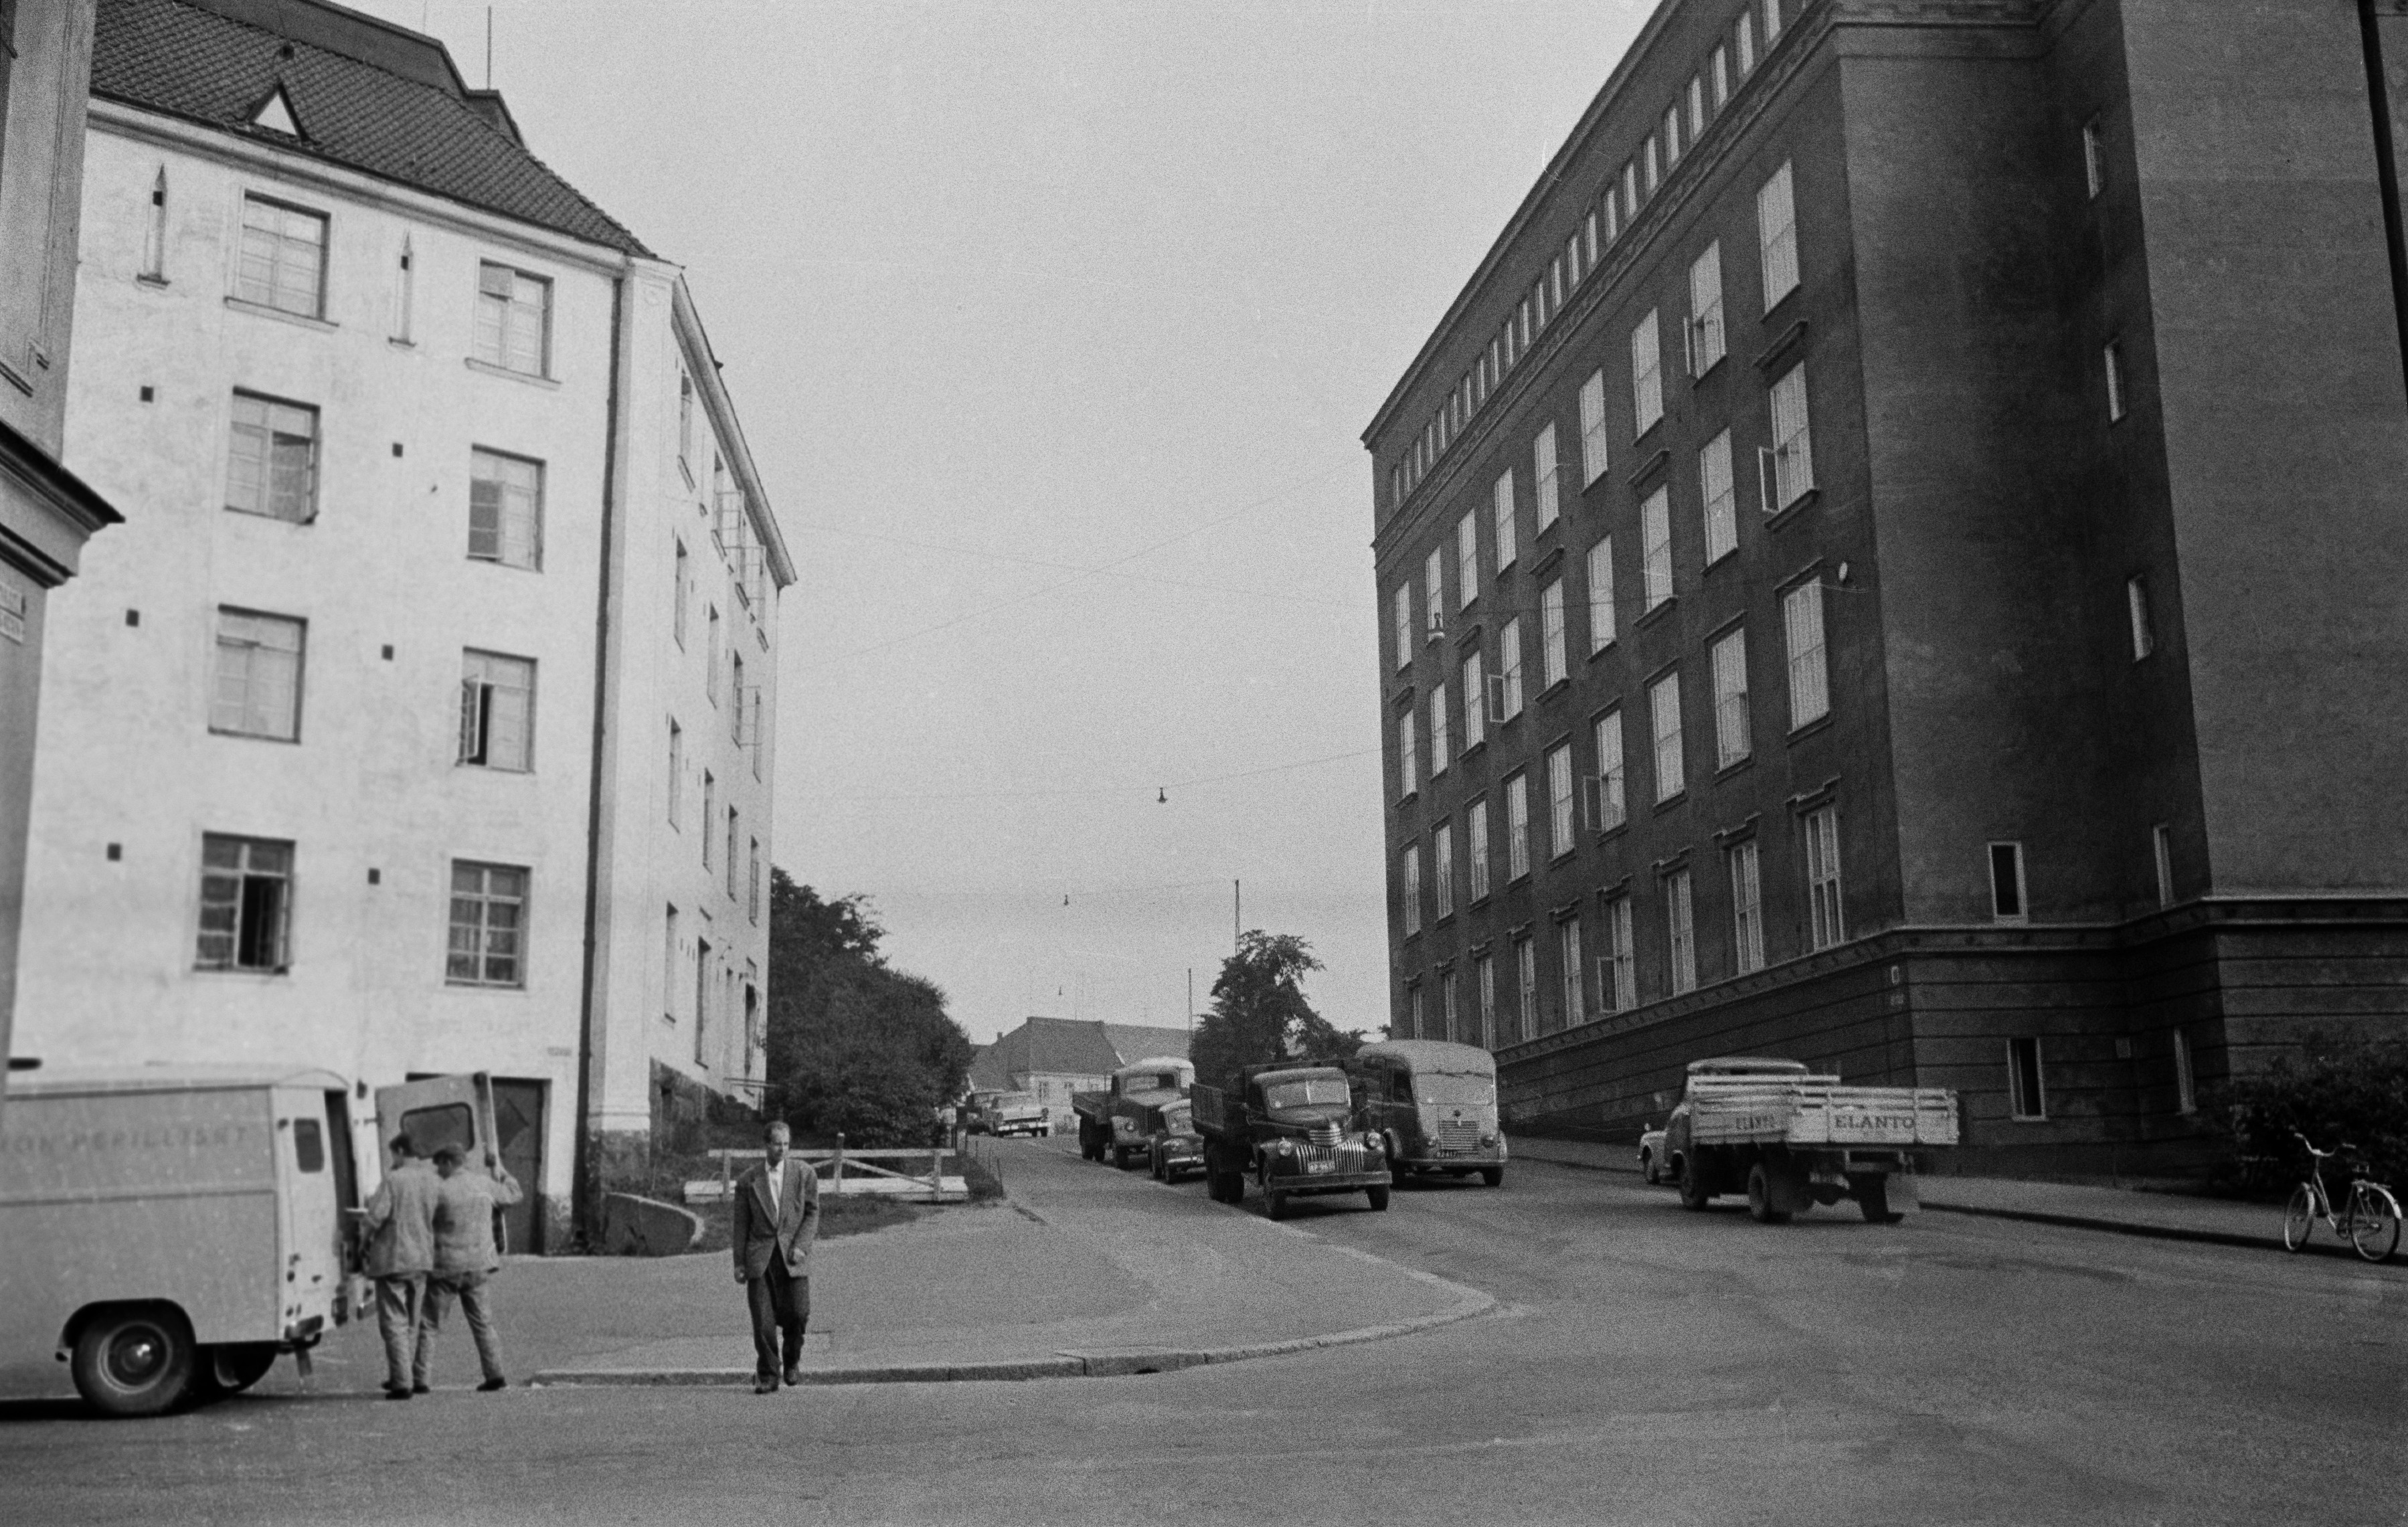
{"points": [[368, 96], [1136, 1044], [987, 1072]]}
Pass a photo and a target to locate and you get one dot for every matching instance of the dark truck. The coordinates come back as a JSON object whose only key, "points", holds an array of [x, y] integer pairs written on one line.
{"points": [[1118, 1121], [1290, 1128]]}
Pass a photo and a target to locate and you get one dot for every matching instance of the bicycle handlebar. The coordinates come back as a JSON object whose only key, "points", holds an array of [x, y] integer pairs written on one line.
{"points": [[2344, 1148]]}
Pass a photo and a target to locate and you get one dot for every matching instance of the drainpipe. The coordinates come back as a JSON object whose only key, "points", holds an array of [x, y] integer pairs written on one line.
{"points": [[2386, 170], [585, 1173]]}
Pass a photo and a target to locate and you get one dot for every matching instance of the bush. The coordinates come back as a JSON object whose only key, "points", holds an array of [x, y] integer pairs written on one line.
{"points": [[2338, 1090]]}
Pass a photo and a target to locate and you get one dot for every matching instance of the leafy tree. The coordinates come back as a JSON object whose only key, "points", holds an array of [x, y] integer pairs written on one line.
{"points": [[855, 1045], [1260, 1014], [2339, 1088]]}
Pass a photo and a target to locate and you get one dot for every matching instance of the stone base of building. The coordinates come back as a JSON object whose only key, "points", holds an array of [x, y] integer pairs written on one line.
{"points": [[2239, 981]]}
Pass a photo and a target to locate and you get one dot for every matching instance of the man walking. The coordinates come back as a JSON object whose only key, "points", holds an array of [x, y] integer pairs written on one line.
{"points": [[401, 1252], [771, 1226], [465, 1259]]}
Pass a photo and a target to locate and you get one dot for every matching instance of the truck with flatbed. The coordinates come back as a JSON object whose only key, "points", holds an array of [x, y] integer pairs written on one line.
{"points": [[1113, 1120], [1292, 1128], [1790, 1138]]}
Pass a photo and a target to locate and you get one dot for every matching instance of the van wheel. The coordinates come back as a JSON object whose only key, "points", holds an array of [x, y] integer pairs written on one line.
{"points": [[1759, 1197], [137, 1361]]}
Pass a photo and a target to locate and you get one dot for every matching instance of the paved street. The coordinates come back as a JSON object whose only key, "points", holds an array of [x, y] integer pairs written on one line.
{"points": [[1643, 1364]]}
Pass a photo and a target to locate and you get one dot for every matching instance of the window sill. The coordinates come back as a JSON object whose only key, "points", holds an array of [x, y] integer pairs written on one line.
{"points": [[1679, 797], [1784, 514], [1597, 652], [1798, 733], [1656, 462], [1546, 564], [1722, 558], [1562, 858], [1784, 344], [1736, 766], [489, 369], [399, 343], [493, 768], [1772, 309], [1478, 745], [1711, 367], [1554, 691], [274, 518], [498, 561], [1604, 834], [259, 972], [451, 985], [147, 278], [304, 319], [254, 736], [1655, 612], [1407, 798]]}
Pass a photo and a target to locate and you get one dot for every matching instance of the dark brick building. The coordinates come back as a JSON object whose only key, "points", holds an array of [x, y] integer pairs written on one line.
{"points": [[1896, 559]]}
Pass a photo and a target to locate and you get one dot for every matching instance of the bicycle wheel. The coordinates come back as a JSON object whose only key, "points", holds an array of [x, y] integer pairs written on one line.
{"points": [[2374, 1222], [2299, 1217]]}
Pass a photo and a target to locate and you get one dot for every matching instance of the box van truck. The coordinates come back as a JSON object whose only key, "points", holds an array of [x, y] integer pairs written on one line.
{"points": [[165, 1232]]}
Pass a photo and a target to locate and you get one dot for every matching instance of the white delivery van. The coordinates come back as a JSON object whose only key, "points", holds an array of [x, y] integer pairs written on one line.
{"points": [[165, 1232]]}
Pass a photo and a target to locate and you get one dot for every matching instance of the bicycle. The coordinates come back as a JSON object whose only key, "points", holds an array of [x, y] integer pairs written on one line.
{"points": [[2369, 1221]]}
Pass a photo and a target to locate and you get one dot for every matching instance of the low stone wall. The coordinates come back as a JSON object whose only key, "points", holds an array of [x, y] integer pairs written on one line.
{"points": [[646, 1227]]}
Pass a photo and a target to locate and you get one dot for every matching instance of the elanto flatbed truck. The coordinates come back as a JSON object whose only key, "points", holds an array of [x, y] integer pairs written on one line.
{"points": [[1790, 1139]]}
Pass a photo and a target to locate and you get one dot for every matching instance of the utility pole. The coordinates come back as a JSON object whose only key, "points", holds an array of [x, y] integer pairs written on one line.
{"points": [[1191, 1001], [1236, 915]]}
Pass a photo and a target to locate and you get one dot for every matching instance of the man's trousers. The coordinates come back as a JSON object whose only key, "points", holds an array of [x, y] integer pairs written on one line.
{"points": [[782, 1307], [400, 1298], [475, 1294]]}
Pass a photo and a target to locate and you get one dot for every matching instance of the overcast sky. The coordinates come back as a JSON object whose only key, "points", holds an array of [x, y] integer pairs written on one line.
{"points": [[1054, 328]]}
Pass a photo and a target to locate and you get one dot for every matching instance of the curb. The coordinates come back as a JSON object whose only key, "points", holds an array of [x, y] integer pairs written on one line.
{"points": [[2146, 1232], [1066, 1364]]}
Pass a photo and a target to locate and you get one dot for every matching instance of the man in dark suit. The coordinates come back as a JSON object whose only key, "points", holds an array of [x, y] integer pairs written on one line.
{"points": [[771, 1225]]}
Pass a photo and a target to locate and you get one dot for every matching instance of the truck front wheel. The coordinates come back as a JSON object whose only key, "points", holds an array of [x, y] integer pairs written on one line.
{"points": [[135, 1361], [1274, 1203], [1379, 1197], [1759, 1197]]}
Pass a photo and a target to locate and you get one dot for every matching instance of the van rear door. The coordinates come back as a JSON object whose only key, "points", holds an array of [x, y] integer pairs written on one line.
{"points": [[441, 1112]]}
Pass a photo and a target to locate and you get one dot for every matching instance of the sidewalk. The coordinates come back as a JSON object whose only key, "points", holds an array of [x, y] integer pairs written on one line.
{"points": [[1085, 1273], [2117, 1210]]}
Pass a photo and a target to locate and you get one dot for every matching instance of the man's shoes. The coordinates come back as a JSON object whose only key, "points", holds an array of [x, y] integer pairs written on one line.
{"points": [[793, 1376], [491, 1384], [396, 1391], [419, 1389], [764, 1386]]}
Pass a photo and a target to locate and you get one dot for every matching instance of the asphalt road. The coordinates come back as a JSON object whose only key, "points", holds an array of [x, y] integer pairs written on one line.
{"points": [[1645, 1365]]}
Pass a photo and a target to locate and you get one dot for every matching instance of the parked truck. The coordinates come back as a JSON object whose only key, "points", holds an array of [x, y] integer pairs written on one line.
{"points": [[166, 1234], [1114, 1120], [1292, 1129], [1790, 1139]]}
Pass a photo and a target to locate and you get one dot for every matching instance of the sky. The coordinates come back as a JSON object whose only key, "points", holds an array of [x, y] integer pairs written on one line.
{"points": [[1053, 328]]}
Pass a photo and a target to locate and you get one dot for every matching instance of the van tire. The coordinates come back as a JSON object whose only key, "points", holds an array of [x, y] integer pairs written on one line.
{"points": [[135, 1360], [1493, 1175]]}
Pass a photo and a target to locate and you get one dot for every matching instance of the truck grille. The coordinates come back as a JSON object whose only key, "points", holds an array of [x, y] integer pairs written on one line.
{"points": [[1458, 1135], [1323, 1134]]}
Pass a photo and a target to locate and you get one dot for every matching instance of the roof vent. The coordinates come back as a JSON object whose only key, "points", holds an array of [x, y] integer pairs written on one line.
{"points": [[276, 115]]}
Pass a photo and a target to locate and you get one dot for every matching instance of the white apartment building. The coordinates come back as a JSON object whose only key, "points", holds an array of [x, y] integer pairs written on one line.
{"points": [[420, 722]]}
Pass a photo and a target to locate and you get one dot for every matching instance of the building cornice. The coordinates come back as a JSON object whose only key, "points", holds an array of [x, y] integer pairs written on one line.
{"points": [[75, 510], [703, 366]]}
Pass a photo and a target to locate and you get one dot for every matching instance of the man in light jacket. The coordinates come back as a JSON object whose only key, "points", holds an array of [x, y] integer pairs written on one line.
{"points": [[466, 1258], [401, 1252], [771, 1225]]}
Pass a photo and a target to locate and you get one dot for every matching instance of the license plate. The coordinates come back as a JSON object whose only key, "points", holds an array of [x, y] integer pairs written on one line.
{"points": [[1320, 1166]]}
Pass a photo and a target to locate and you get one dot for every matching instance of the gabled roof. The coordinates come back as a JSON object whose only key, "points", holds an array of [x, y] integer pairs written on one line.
{"points": [[368, 95], [987, 1073], [1135, 1043]]}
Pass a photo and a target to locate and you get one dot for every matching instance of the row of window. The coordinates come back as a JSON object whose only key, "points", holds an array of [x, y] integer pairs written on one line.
{"points": [[1786, 472], [1616, 980], [715, 997], [280, 264], [721, 654], [711, 817], [1493, 699], [256, 689], [1601, 226]]}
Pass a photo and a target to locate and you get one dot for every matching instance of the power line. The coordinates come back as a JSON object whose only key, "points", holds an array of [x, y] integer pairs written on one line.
{"points": [[1159, 787]]}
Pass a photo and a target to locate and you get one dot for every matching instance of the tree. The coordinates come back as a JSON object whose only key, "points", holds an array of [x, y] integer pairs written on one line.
{"points": [[1259, 1013], [855, 1045]]}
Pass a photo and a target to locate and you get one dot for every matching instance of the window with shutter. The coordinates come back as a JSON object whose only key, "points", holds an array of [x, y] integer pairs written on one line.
{"points": [[1776, 223], [1593, 446], [1809, 689], [1646, 376], [1664, 710], [1793, 450], [1601, 596], [1655, 546]]}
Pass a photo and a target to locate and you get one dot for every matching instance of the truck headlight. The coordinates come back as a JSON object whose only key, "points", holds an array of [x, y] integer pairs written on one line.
{"points": [[1283, 1148], [1375, 1145], [1488, 1139]]}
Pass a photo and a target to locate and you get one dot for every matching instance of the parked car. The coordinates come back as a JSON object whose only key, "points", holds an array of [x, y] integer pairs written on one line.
{"points": [[1652, 1165], [1173, 1144], [1434, 1104], [1009, 1113]]}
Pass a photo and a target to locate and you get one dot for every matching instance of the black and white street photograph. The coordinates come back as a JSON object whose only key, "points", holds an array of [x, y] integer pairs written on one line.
{"points": [[1011, 762]]}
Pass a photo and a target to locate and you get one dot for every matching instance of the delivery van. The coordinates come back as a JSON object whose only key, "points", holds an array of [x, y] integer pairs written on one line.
{"points": [[165, 1232]]}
